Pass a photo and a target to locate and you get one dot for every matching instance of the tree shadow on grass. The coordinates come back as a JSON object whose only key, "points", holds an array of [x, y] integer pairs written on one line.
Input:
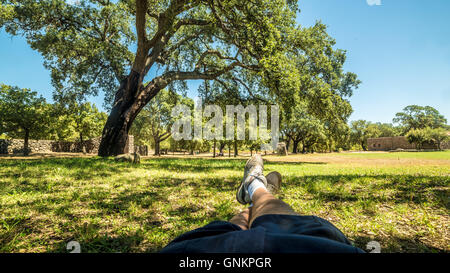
{"points": [[122, 201], [82, 168], [405, 188], [198, 164], [277, 162], [192, 164]]}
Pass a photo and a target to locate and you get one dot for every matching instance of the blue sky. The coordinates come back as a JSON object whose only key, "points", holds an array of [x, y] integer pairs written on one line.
{"points": [[400, 49]]}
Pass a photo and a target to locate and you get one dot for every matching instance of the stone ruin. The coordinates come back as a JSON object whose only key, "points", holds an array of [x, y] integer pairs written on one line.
{"points": [[398, 143], [281, 149], [90, 146]]}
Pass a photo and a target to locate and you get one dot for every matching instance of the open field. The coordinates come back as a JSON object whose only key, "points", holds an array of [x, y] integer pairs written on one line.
{"points": [[400, 200]]}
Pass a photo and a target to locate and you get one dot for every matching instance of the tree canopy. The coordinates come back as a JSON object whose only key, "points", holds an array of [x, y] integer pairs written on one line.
{"points": [[111, 46], [419, 117], [23, 114]]}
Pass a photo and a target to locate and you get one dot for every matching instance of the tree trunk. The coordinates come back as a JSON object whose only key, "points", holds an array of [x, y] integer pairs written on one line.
{"points": [[363, 146], [229, 150], [157, 146], [221, 147], [235, 148], [295, 146], [25, 142], [83, 150], [288, 141], [127, 105], [214, 148]]}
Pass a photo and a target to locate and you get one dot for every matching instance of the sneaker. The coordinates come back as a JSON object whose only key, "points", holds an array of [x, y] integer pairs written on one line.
{"points": [[273, 182], [253, 170]]}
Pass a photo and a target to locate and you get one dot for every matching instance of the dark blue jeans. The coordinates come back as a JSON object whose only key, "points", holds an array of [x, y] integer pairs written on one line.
{"points": [[271, 233]]}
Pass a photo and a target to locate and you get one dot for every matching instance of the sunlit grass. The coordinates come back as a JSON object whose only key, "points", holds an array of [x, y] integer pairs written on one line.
{"points": [[120, 207]]}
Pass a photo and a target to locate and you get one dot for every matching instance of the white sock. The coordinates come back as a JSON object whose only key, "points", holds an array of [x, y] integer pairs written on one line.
{"points": [[256, 184]]}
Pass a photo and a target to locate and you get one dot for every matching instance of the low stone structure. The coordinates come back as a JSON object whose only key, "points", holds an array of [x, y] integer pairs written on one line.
{"points": [[91, 146], [397, 142], [15, 146], [132, 158], [281, 149]]}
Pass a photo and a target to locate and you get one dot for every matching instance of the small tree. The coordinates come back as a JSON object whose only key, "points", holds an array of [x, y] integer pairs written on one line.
{"points": [[301, 127], [88, 121], [154, 121], [359, 132], [438, 136], [419, 137], [22, 113], [77, 119]]}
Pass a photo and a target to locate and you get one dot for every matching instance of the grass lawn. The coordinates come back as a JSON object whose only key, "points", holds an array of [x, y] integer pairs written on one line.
{"points": [[400, 200]]}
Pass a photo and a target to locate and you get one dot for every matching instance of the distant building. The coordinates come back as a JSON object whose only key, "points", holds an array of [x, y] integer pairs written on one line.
{"points": [[397, 142]]}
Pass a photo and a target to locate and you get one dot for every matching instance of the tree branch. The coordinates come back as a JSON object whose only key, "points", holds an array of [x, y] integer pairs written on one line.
{"points": [[249, 90], [142, 44]]}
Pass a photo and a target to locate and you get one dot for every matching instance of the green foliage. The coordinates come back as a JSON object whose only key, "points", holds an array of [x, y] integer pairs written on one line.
{"points": [[361, 130], [23, 114], [88, 120], [113, 207], [439, 135], [301, 127], [85, 45], [386, 129], [256, 46], [22, 111], [153, 124], [427, 136], [419, 137], [63, 129], [78, 120], [419, 117]]}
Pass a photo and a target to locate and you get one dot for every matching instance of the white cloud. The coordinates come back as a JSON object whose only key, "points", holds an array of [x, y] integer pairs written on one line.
{"points": [[373, 2]]}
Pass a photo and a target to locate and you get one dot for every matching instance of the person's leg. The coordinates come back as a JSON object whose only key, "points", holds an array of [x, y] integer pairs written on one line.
{"points": [[265, 203], [256, 189], [241, 219]]}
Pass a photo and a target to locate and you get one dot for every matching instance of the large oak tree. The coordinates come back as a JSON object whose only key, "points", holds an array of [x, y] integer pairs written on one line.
{"points": [[117, 46]]}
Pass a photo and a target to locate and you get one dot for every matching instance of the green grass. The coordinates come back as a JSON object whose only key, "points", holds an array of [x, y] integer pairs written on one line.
{"points": [[118, 207]]}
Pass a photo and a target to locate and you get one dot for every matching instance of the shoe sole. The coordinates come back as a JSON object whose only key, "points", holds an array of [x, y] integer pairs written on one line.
{"points": [[240, 194], [274, 179]]}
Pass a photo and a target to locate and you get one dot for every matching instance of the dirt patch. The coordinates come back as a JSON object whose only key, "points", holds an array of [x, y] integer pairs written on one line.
{"points": [[357, 161]]}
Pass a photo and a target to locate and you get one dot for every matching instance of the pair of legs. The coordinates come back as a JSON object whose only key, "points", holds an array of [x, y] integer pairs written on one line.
{"points": [[263, 203]]}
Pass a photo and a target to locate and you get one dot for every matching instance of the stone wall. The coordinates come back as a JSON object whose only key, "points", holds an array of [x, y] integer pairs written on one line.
{"points": [[14, 146], [90, 146], [445, 145], [130, 143], [397, 142]]}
